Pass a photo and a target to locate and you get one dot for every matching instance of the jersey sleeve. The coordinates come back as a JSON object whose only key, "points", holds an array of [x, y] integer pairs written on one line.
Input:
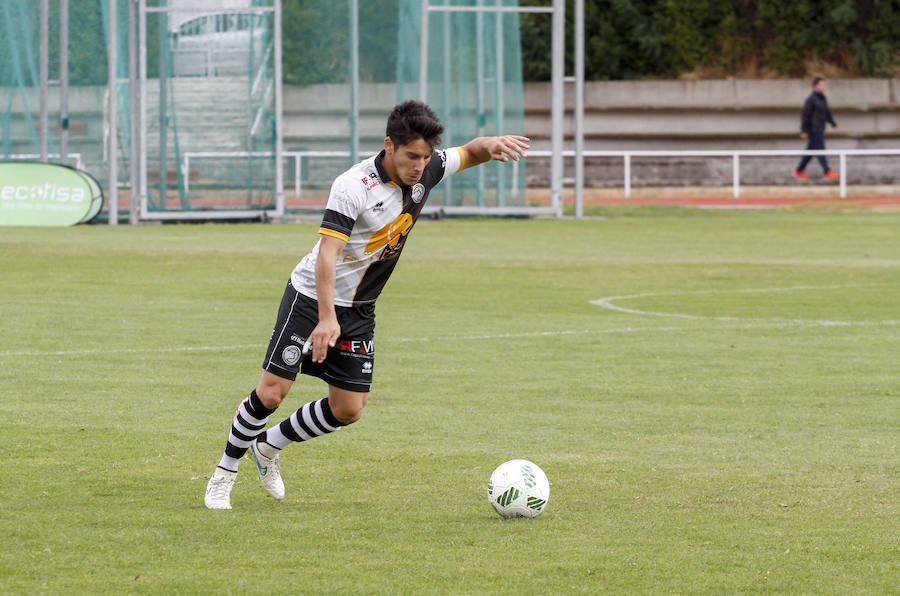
{"points": [[345, 202], [453, 159]]}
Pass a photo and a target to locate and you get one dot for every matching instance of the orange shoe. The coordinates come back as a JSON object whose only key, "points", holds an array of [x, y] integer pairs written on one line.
{"points": [[801, 175], [832, 175]]}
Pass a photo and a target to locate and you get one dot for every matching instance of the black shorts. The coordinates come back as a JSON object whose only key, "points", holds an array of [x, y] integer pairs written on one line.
{"points": [[348, 365]]}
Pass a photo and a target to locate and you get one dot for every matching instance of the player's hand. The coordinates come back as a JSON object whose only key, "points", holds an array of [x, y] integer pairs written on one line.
{"points": [[324, 336], [508, 146], [804, 136]]}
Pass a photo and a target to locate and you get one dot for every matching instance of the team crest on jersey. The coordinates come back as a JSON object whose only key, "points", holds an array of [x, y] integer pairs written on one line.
{"points": [[418, 192]]}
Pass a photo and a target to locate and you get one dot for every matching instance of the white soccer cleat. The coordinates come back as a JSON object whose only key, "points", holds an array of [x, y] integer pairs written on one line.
{"points": [[269, 471], [218, 491]]}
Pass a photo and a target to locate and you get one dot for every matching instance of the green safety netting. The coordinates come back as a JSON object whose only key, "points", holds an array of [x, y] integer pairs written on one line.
{"points": [[209, 125], [475, 83]]}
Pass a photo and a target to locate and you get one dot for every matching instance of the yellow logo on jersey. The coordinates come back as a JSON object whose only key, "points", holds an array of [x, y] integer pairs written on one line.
{"points": [[391, 237]]}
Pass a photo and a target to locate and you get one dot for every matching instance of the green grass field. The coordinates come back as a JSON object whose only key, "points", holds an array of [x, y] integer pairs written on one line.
{"points": [[715, 398]]}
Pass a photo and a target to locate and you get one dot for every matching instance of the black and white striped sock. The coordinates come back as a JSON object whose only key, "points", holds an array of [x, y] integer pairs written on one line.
{"points": [[310, 421], [249, 421]]}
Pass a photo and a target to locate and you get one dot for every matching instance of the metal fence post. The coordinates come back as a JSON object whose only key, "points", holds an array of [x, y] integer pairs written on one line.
{"points": [[133, 109], [843, 173], [44, 127], [112, 59], [63, 80], [627, 157], [557, 106], [279, 109], [579, 108], [736, 175]]}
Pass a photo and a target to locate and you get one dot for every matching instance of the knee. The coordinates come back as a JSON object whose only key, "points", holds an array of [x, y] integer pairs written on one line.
{"points": [[348, 411], [272, 394]]}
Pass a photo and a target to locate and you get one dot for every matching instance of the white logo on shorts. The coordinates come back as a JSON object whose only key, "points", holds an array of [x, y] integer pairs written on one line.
{"points": [[367, 367], [291, 355]]}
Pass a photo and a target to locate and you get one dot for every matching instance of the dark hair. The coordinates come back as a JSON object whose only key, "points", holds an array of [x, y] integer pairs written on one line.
{"points": [[817, 80], [413, 120]]}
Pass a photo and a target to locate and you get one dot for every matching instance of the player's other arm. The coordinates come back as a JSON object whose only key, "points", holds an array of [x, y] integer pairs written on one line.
{"points": [[328, 329], [482, 149]]}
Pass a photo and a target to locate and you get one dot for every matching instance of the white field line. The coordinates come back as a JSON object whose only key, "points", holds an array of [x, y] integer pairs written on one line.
{"points": [[744, 323], [608, 303], [602, 302], [261, 346], [129, 350]]}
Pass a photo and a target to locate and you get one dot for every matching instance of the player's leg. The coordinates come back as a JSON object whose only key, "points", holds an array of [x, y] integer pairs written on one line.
{"points": [[280, 368], [297, 316], [347, 406], [347, 369], [312, 420], [272, 389], [251, 417], [249, 420]]}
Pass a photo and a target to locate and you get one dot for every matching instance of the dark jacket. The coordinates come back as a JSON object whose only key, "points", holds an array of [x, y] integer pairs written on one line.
{"points": [[815, 114]]}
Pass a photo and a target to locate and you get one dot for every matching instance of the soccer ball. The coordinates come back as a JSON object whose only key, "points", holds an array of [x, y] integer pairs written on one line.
{"points": [[519, 488]]}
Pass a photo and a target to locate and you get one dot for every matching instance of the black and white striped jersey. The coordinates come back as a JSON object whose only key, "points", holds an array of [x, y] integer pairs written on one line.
{"points": [[374, 215]]}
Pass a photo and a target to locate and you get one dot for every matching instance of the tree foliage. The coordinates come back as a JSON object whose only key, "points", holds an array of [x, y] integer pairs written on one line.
{"points": [[625, 39], [628, 39], [19, 44], [316, 41]]}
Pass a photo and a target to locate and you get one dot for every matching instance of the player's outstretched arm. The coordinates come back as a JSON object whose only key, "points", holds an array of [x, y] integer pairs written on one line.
{"points": [[482, 149]]}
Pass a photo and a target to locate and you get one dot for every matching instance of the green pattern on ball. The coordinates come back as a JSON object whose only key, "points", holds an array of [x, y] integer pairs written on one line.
{"points": [[528, 476], [508, 497], [535, 503]]}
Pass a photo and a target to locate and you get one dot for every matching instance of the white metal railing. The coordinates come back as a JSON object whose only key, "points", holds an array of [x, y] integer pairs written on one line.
{"points": [[33, 156], [626, 155], [297, 156], [209, 62], [734, 154]]}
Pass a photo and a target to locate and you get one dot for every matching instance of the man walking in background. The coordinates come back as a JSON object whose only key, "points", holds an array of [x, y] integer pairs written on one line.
{"points": [[812, 125]]}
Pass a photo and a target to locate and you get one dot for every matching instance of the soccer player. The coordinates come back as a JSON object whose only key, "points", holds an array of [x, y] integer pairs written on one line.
{"points": [[326, 320]]}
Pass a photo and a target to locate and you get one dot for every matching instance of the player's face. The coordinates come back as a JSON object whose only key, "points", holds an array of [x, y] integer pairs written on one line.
{"points": [[407, 161]]}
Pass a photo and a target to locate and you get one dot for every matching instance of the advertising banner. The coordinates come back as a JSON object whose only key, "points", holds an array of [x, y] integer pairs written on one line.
{"points": [[44, 194]]}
